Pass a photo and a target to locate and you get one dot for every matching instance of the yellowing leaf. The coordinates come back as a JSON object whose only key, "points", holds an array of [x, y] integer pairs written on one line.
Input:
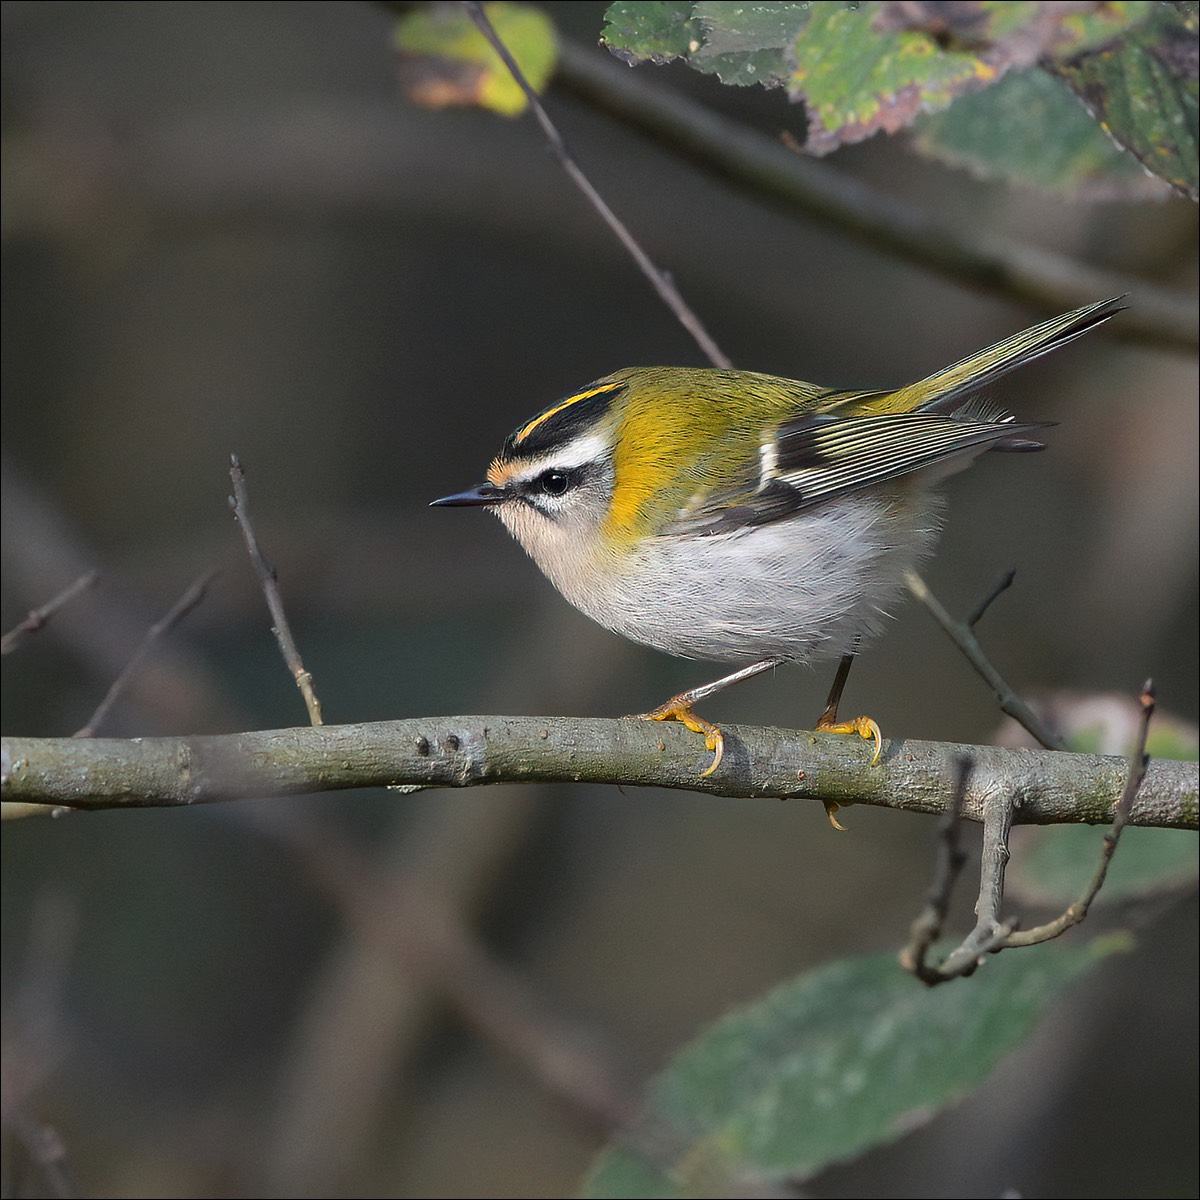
{"points": [[445, 61]]}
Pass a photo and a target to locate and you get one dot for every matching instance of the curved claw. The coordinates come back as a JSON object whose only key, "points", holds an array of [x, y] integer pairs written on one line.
{"points": [[714, 741], [678, 709], [865, 727]]}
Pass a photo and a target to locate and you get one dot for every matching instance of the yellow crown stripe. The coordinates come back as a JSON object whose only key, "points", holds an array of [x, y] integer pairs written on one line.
{"points": [[542, 418]]}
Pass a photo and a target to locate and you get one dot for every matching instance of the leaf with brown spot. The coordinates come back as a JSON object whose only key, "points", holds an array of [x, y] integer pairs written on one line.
{"points": [[1144, 92], [443, 59]]}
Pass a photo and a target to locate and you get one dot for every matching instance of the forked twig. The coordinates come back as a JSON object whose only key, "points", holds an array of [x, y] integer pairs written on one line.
{"points": [[991, 934], [951, 859], [962, 634]]}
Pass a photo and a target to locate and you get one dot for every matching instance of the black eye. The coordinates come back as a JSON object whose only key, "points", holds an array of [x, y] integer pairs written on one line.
{"points": [[553, 483]]}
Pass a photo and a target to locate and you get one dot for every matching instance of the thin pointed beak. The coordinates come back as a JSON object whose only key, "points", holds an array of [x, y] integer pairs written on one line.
{"points": [[485, 493]]}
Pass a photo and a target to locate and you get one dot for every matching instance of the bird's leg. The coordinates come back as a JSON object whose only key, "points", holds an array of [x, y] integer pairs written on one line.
{"points": [[679, 708], [864, 726], [828, 722]]}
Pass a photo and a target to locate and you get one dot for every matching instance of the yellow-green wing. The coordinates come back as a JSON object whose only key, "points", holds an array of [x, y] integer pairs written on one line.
{"points": [[845, 442]]}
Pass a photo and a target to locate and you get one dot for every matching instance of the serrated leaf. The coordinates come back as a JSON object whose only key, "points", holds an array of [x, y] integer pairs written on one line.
{"points": [[856, 82], [1015, 34], [1032, 130], [742, 44], [445, 61], [840, 1059], [877, 67], [865, 68], [655, 32], [1144, 90]]}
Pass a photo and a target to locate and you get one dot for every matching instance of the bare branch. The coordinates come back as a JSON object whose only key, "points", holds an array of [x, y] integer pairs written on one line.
{"points": [[240, 506], [928, 926], [998, 589], [39, 617], [470, 751], [991, 934], [659, 279], [961, 635], [159, 629]]}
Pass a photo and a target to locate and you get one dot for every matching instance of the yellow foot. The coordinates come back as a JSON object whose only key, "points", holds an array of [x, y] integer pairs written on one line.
{"points": [[678, 709], [865, 727], [832, 808]]}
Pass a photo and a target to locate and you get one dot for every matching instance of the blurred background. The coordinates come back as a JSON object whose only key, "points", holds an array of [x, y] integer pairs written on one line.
{"points": [[224, 231]]}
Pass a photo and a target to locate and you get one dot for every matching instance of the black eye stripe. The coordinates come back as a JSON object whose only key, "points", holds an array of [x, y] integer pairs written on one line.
{"points": [[553, 482]]}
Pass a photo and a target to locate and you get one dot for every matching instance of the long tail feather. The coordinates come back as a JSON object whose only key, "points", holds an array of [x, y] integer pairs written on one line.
{"points": [[939, 392]]}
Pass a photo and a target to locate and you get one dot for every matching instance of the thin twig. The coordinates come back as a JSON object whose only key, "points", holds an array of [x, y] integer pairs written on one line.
{"points": [[39, 617], [659, 279], [1002, 585], [960, 251], [961, 635], [240, 506], [1078, 911], [994, 857], [990, 934], [179, 610], [951, 859]]}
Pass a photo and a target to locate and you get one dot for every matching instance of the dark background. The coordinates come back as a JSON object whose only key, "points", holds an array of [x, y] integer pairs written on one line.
{"points": [[225, 232]]}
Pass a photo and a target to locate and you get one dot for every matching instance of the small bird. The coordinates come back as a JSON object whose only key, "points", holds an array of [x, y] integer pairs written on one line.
{"points": [[741, 517]]}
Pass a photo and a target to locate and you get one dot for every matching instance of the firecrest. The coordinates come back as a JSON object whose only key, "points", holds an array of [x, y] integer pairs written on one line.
{"points": [[741, 517]]}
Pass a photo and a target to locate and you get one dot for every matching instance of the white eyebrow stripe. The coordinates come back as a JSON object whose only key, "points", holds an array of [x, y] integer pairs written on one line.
{"points": [[586, 448]]}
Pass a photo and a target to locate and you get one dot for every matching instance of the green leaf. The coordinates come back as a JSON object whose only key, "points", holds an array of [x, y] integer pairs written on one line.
{"points": [[856, 82], [445, 61], [865, 68], [876, 68], [1031, 130], [839, 1060], [748, 43], [651, 32], [1144, 91], [742, 44]]}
